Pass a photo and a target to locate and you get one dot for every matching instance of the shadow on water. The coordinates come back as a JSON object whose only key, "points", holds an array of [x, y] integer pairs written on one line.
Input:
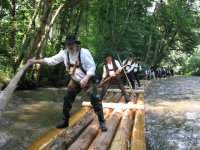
{"points": [[173, 114], [30, 114]]}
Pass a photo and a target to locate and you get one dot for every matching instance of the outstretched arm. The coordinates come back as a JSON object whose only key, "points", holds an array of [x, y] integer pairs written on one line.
{"points": [[39, 61]]}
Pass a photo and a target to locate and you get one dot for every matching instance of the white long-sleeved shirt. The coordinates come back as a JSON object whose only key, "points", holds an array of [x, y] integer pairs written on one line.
{"points": [[110, 67], [137, 67], [87, 61], [130, 66]]}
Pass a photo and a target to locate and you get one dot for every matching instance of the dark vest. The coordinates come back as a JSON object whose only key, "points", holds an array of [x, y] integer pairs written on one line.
{"points": [[114, 68]]}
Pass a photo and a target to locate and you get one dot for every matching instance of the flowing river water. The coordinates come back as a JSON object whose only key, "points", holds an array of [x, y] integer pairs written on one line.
{"points": [[31, 114], [172, 115]]}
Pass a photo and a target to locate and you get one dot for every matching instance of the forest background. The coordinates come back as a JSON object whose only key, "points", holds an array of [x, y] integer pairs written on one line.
{"points": [[158, 32]]}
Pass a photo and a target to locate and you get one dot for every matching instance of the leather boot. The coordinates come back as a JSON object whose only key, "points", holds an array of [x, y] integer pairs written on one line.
{"points": [[102, 121], [103, 126], [63, 124]]}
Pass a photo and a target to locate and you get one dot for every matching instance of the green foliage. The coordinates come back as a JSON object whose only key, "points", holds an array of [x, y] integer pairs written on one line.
{"points": [[123, 27]]}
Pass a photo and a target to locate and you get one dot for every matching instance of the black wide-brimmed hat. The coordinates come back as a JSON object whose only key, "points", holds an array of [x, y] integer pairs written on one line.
{"points": [[130, 55], [72, 39], [108, 55]]}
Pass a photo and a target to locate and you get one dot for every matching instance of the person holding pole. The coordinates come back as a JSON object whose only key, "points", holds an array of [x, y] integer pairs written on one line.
{"points": [[112, 70], [81, 66]]}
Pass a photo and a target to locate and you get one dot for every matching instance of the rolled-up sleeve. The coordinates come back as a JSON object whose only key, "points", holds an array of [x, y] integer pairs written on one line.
{"points": [[118, 64], [55, 59], [88, 62]]}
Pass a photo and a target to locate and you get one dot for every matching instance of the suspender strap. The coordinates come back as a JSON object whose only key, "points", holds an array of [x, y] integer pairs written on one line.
{"points": [[78, 66], [126, 61], [68, 60]]}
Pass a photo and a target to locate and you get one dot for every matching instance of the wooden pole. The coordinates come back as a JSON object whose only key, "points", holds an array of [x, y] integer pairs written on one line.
{"points": [[43, 141]]}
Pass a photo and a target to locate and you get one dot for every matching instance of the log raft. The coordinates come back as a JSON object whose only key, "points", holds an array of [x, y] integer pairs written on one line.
{"points": [[125, 122]]}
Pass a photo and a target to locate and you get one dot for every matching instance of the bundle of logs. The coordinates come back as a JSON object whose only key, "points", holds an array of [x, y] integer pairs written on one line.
{"points": [[125, 122]]}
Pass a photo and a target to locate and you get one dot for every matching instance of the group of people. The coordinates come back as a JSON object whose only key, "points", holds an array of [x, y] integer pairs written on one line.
{"points": [[154, 72], [81, 66]]}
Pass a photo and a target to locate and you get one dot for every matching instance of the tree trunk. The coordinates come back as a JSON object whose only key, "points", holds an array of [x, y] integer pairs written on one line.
{"points": [[12, 31], [79, 21], [8, 91], [148, 50], [156, 52], [47, 29]]}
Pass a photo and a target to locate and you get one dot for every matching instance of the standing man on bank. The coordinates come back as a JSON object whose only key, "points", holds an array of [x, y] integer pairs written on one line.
{"points": [[80, 64], [112, 68]]}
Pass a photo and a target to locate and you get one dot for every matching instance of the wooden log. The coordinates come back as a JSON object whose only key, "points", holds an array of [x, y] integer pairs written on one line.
{"points": [[140, 99], [116, 97], [43, 141], [138, 135], [122, 137], [128, 105], [65, 139], [108, 97], [104, 139], [128, 91], [8, 91], [86, 138]]}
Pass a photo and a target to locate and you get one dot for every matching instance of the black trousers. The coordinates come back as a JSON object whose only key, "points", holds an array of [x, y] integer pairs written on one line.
{"points": [[117, 81], [73, 89], [131, 79], [135, 74]]}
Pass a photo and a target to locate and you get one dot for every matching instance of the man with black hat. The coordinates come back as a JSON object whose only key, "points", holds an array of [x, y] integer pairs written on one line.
{"points": [[81, 66], [112, 68], [129, 69]]}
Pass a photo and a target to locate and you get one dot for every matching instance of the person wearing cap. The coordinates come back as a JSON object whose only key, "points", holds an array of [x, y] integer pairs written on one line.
{"points": [[80, 79], [129, 69], [109, 69]]}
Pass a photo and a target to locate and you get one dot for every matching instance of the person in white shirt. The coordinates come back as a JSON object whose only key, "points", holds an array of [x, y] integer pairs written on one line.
{"points": [[81, 77], [109, 69], [136, 70], [129, 69]]}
